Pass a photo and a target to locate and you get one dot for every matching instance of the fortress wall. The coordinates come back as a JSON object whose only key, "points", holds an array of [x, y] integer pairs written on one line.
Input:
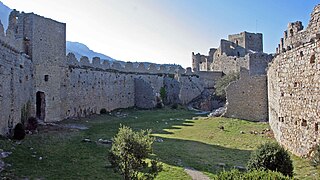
{"points": [[37, 77], [89, 90], [145, 97], [209, 78], [247, 98], [258, 63], [16, 86], [228, 64], [294, 98], [294, 92], [172, 88], [190, 88], [87, 87]]}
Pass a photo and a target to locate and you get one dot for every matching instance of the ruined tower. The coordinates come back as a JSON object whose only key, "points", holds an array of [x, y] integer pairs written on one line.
{"points": [[44, 41]]}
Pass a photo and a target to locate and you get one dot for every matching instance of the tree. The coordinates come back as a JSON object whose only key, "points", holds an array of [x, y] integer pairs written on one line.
{"points": [[129, 152], [222, 84]]}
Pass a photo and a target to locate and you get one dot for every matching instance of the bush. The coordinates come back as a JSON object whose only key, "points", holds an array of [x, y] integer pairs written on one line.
{"points": [[129, 152], [163, 93], [315, 158], [222, 84], [271, 156], [32, 124], [174, 106], [251, 175], [103, 111], [19, 132]]}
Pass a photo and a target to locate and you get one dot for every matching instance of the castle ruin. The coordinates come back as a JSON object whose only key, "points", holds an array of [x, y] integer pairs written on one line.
{"points": [[294, 87], [38, 79]]}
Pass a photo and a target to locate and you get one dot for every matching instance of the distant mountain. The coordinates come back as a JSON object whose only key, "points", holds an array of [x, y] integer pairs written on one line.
{"points": [[79, 50], [4, 14]]}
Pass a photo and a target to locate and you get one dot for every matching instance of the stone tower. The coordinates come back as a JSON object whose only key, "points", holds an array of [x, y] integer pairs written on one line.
{"points": [[249, 41], [44, 41]]}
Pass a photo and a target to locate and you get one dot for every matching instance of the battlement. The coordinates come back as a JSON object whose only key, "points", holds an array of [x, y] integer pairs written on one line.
{"points": [[9, 41], [296, 36], [127, 67]]}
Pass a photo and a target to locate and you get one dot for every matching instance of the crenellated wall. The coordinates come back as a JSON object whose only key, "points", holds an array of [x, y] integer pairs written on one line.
{"points": [[294, 88], [89, 87], [37, 78]]}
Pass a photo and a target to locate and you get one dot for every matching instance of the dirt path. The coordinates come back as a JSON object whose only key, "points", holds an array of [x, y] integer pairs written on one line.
{"points": [[196, 175]]}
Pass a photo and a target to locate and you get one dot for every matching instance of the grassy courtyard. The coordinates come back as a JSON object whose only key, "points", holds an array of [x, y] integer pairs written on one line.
{"points": [[184, 140]]}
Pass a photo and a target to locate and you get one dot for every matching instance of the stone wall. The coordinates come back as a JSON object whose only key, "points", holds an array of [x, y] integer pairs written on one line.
{"points": [[247, 97], [145, 97], [172, 89], [229, 64], [16, 85], [37, 79], [294, 89], [87, 87]]}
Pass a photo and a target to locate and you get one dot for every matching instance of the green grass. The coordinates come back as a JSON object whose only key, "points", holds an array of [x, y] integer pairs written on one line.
{"points": [[199, 144]]}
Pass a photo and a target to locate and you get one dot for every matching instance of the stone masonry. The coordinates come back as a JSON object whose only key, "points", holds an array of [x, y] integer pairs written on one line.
{"points": [[233, 54], [294, 87], [247, 98], [38, 79]]}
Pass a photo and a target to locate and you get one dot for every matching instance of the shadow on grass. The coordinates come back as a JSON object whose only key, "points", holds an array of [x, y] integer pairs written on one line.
{"points": [[200, 156]]}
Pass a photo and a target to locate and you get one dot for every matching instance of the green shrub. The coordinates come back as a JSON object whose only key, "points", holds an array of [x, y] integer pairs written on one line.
{"points": [[103, 111], [315, 158], [163, 93], [271, 156], [19, 132], [221, 84], [251, 175], [129, 152], [174, 106]]}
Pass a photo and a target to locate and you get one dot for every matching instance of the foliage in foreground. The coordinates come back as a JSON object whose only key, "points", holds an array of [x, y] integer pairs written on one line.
{"points": [[221, 85], [251, 175], [315, 158], [271, 156], [129, 152]]}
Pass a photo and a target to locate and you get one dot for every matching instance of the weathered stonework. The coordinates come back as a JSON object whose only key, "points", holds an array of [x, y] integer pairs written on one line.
{"points": [[16, 85], [233, 54], [38, 79], [247, 98], [294, 87]]}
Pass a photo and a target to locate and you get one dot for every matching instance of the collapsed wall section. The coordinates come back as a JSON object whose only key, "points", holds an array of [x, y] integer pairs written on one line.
{"points": [[294, 90], [145, 97], [247, 97]]}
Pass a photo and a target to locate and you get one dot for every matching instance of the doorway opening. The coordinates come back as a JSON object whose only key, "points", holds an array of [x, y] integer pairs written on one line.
{"points": [[41, 105]]}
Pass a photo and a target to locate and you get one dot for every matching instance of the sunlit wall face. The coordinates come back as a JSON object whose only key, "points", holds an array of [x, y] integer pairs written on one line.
{"points": [[166, 31]]}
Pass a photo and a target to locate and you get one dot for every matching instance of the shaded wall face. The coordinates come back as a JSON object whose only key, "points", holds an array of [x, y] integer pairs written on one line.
{"points": [[145, 97], [172, 89], [16, 89], [254, 42], [247, 98]]}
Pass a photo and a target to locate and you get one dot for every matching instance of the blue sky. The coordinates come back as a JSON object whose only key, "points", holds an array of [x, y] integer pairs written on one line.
{"points": [[167, 31]]}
